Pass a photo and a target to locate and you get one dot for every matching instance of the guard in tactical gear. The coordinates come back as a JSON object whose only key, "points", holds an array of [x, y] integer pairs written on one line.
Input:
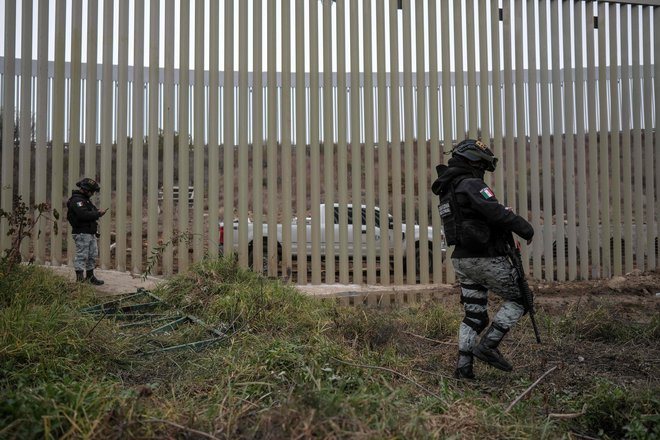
{"points": [[479, 228], [83, 217]]}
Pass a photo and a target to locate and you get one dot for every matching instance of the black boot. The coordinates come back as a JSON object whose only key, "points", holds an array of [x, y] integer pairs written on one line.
{"points": [[80, 276], [487, 349], [92, 279], [464, 366]]}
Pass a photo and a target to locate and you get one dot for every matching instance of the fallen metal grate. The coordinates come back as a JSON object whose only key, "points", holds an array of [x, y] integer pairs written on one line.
{"points": [[115, 306], [132, 309], [174, 325]]}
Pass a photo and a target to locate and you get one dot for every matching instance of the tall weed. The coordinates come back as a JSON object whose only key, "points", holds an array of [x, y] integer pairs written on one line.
{"points": [[51, 370]]}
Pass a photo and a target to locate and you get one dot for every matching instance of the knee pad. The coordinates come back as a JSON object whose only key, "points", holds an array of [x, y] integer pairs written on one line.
{"points": [[477, 321]]}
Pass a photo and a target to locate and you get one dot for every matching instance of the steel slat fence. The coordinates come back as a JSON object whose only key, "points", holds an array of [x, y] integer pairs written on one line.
{"points": [[265, 121]]}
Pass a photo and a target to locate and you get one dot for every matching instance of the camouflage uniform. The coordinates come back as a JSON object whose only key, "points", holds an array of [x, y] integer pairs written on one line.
{"points": [[481, 229], [86, 252], [477, 276]]}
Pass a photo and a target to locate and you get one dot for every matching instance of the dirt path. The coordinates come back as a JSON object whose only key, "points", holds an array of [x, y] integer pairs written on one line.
{"points": [[116, 282], [636, 293], [635, 296]]}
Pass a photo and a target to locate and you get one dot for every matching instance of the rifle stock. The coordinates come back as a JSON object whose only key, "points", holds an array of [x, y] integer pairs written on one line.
{"points": [[525, 291]]}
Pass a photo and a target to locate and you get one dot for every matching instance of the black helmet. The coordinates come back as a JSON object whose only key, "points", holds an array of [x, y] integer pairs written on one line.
{"points": [[88, 185], [476, 151]]}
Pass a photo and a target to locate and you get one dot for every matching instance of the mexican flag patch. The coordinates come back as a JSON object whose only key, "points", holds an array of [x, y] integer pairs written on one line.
{"points": [[487, 193]]}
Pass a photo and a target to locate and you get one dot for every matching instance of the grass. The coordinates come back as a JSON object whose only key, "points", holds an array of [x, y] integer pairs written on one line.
{"points": [[293, 367], [597, 324]]}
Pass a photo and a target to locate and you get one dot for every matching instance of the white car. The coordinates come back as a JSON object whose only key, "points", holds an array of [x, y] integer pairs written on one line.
{"points": [[381, 228]]}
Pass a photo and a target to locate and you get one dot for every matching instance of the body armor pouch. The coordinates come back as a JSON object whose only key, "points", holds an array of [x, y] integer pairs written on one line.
{"points": [[450, 216]]}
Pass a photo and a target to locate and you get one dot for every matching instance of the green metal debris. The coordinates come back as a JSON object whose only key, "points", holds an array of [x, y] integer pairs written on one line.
{"points": [[136, 314], [115, 307]]}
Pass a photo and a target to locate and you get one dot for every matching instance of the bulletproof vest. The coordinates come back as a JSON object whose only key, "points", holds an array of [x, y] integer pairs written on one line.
{"points": [[462, 227]]}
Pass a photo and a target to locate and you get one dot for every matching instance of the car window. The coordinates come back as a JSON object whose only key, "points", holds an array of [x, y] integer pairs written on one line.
{"points": [[376, 216]]}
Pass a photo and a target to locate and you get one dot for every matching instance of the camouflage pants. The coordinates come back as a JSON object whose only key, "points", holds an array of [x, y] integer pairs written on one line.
{"points": [[86, 251], [477, 276]]}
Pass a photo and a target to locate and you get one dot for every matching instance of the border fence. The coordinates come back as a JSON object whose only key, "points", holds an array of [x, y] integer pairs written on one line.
{"points": [[292, 105]]}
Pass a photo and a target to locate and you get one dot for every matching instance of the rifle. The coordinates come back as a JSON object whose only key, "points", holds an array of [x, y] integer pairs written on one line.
{"points": [[513, 253]]}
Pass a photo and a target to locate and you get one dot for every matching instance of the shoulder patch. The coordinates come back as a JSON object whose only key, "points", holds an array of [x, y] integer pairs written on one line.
{"points": [[486, 193], [80, 204]]}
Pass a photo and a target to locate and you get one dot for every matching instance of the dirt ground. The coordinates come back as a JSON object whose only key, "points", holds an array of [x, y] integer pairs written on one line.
{"points": [[595, 312], [634, 298]]}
